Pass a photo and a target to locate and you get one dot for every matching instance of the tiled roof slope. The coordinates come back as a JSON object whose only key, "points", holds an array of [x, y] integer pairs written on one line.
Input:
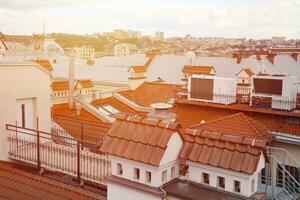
{"points": [[199, 69], [139, 139], [150, 92], [16, 184], [60, 86], [238, 124], [85, 83], [236, 153], [45, 64], [138, 68]]}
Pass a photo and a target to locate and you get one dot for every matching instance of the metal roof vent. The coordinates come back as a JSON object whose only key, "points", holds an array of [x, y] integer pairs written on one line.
{"points": [[161, 112]]}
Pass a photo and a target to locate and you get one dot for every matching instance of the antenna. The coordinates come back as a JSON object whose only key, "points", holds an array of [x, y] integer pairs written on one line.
{"points": [[44, 29]]}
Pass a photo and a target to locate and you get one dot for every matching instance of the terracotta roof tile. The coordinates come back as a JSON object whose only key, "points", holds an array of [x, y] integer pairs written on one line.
{"points": [[17, 184], [138, 68], [220, 149], [45, 64], [236, 126], [60, 85], [85, 83], [139, 140], [199, 70], [150, 92], [247, 71]]}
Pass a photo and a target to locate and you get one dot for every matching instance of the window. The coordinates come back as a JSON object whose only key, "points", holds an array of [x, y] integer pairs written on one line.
{"points": [[164, 176], [172, 172], [253, 185], [205, 178], [221, 182], [148, 177], [119, 169], [136, 173], [237, 186], [23, 116]]}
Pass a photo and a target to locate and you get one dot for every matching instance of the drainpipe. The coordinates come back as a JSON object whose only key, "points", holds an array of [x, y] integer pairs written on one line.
{"points": [[71, 82]]}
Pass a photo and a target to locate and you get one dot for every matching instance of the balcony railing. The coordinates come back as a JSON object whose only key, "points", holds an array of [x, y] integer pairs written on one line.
{"points": [[58, 153]]}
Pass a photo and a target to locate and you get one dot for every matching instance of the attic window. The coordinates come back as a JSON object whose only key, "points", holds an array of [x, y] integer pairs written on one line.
{"points": [[148, 177], [205, 178], [136, 173], [119, 169], [221, 182], [237, 186]]}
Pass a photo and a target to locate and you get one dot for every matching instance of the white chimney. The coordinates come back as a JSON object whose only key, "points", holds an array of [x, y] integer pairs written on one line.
{"points": [[71, 82]]}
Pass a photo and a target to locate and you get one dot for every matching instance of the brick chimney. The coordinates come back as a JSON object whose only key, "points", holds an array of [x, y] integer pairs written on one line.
{"points": [[295, 56], [238, 57], [271, 57]]}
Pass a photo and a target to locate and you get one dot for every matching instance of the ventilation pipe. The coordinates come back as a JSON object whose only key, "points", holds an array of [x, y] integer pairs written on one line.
{"points": [[71, 82]]}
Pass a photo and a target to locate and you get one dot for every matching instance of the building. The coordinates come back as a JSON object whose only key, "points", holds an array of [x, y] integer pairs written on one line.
{"points": [[120, 34], [46, 45], [82, 53], [125, 49], [243, 79], [160, 36], [277, 40], [27, 100], [3, 47], [189, 70], [147, 159]]}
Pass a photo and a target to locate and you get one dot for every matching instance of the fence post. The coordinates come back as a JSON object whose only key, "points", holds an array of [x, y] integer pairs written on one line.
{"points": [[78, 161], [38, 144]]}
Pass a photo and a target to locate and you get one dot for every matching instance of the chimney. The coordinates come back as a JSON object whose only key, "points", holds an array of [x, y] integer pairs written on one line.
{"points": [[238, 57], [271, 57], [258, 56], [71, 82], [78, 108], [295, 56]]}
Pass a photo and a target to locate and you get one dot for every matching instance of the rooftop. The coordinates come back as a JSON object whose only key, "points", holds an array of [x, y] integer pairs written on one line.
{"points": [[199, 69], [138, 139], [17, 184], [44, 63], [238, 153], [150, 92]]}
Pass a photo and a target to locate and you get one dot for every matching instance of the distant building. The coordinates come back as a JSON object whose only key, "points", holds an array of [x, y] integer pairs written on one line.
{"points": [[159, 36], [125, 49], [82, 53], [16, 46], [120, 34], [278, 39], [46, 44]]}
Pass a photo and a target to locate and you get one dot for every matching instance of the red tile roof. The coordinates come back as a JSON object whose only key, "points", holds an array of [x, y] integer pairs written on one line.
{"points": [[85, 83], [238, 124], [247, 71], [60, 85], [138, 68], [198, 69], [150, 92], [45, 64], [139, 139], [17, 184], [232, 152], [92, 127]]}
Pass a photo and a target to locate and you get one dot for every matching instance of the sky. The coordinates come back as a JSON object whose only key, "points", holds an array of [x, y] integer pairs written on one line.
{"points": [[256, 19]]}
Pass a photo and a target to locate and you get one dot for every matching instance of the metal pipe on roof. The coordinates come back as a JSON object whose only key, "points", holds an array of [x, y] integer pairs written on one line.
{"points": [[71, 82]]}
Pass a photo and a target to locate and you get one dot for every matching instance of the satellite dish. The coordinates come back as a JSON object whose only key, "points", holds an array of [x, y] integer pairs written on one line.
{"points": [[161, 106]]}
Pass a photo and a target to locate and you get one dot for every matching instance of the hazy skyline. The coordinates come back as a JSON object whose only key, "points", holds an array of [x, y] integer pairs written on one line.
{"points": [[244, 18]]}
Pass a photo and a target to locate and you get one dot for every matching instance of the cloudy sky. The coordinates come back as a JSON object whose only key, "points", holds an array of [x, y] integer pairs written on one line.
{"points": [[227, 18]]}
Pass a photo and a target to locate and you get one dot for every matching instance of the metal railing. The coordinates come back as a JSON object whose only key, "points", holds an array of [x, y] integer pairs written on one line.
{"points": [[70, 156], [277, 180]]}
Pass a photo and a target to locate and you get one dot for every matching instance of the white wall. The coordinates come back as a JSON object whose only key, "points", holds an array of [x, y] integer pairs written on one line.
{"points": [[196, 170], [23, 81], [118, 192]]}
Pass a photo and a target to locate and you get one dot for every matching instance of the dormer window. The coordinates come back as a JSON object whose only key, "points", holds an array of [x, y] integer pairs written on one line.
{"points": [[221, 182], [136, 173], [119, 169], [205, 178], [148, 177], [237, 186]]}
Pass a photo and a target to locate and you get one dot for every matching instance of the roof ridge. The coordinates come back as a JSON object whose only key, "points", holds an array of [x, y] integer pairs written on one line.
{"points": [[140, 142], [251, 125]]}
